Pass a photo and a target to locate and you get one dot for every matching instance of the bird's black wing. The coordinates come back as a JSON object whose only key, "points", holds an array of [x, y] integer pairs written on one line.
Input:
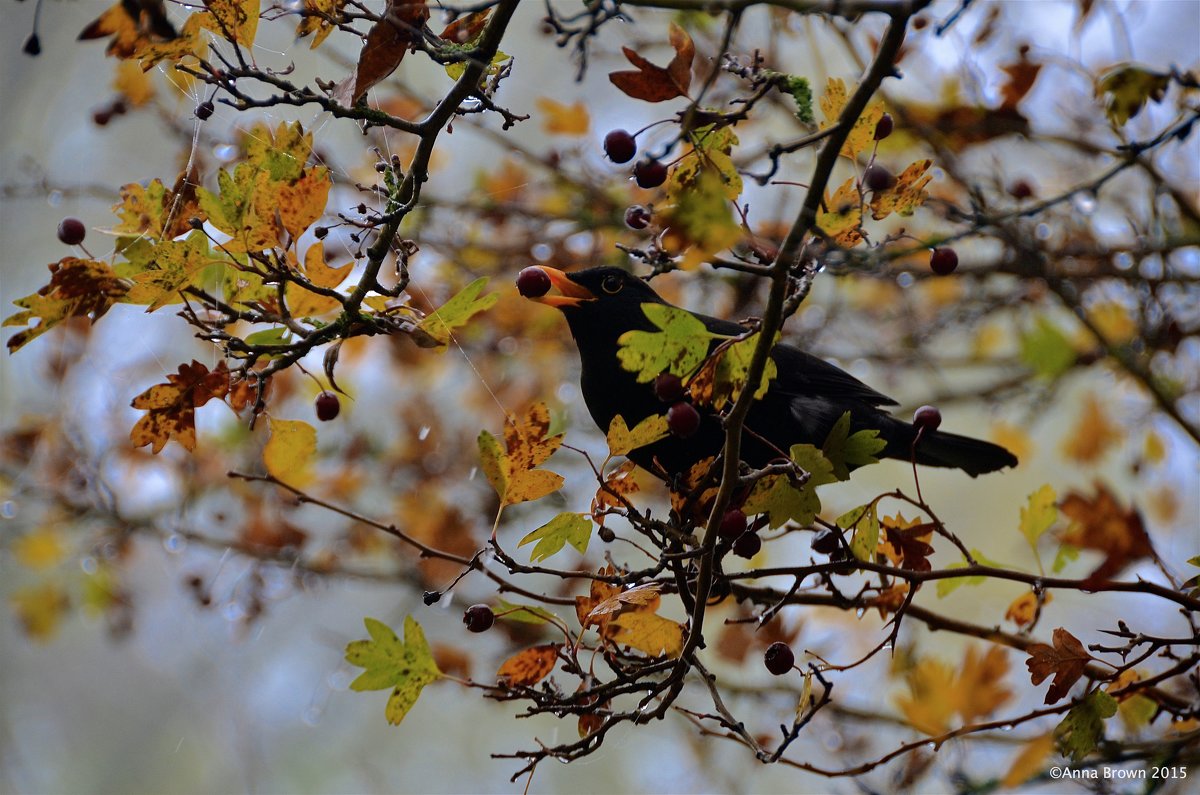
{"points": [[805, 375]]}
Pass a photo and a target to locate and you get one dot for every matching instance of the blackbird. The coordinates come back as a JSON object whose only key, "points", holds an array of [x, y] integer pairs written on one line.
{"points": [[804, 401]]}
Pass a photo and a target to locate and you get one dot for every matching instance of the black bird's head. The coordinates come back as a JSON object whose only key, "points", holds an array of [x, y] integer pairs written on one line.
{"points": [[600, 304]]}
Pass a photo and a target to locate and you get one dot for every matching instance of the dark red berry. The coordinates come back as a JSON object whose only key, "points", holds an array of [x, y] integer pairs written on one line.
{"points": [[606, 534], [479, 618], [826, 542], [620, 146], [102, 117], [919, 23], [747, 545], [683, 419], [927, 418], [533, 282], [118, 107], [668, 388], [71, 231], [637, 217], [733, 524], [883, 127], [779, 658], [649, 173], [1021, 189], [328, 406], [943, 261], [878, 178]]}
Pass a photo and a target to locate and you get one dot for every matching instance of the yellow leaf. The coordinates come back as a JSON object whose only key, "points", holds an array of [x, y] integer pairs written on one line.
{"points": [[526, 438], [1154, 451], [905, 195], [288, 453], [41, 549], [40, 609], [305, 303], [842, 217], [1024, 608], [930, 704], [862, 135], [622, 440], [563, 119], [649, 633], [531, 484], [133, 83], [1014, 438], [1029, 762], [235, 20], [1038, 514], [1114, 321], [321, 26], [1093, 435]]}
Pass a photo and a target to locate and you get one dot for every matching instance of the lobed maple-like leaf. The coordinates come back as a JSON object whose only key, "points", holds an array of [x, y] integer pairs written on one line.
{"points": [[906, 544], [566, 528], [1024, 609], [937, 693], [657, 83], [622, 440], [841, 216], [775, 495], [1126, 89], [723, 375], [132, 26], [862, 134], [1065, 660], [319, 17], [511, 469], [77, 288], [171, 407], [679, 346], [406, 666], [844, 450], [905, 195], [437, 328], [1081, 731]]}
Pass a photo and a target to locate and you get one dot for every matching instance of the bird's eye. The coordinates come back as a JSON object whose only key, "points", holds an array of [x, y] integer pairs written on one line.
{"points": [[611, 284]]}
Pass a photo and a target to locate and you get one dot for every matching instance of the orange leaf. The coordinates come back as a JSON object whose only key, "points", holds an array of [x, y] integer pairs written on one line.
{"points": [[621, 482], [563, 119], [655, 83], [1028, 763], [130, 33], [171, 407], [1102, 524], [528, 667], [598, 593], [1066, 660], [1093, 435], [1021, 76], [467, 27], [1025, 608], [649, 633]]}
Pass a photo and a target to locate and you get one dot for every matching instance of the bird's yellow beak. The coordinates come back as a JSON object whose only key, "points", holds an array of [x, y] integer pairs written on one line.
{"points": [[572, 294]]}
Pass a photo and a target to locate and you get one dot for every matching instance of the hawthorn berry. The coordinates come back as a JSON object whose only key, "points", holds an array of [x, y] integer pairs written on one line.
{"points": [[620, 146], [668, 388], [479, 618], [683, 420], [328, 406], [733, 524], [204, 110], [1021, 189], [71, 231], [943, 261], [606, 534], [747, 545], [649, 173], [883, 127], [927, 418], [779, 658], [878, 178], [533, 282], [637, 217]]}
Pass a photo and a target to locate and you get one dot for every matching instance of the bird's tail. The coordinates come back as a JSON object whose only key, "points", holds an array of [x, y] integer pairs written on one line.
{"points": [[973, 456]]}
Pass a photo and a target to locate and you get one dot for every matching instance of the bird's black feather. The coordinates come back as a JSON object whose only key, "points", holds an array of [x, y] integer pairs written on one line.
{"points": [[803, 403]]}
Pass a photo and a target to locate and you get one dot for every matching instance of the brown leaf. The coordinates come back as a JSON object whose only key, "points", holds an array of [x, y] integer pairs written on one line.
{"points": [[171, 407], [621, 482], [598, 593], [1021, 76], [387, 42], [467, 28], [1102, 524], [655, 83], [530, 666], [77, 288], [906, 543], [1066, 660]]}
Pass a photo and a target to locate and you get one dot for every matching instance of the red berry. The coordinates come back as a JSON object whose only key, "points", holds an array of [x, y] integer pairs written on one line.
{"points": [[1021, 189], [747, 545], [878, 178], [533, 282], [733, 524], [328, 406], [668, 388], [637, 217], [620, 146], [883, 127], [649, 173], [479, 618], [71, 231], [683, 420], [779, 658], [204, 110], [943, 261], [928, 418], [102, 117]]}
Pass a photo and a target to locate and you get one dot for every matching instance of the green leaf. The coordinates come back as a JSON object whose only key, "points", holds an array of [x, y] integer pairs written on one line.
{"points": [[1066, 554], [679, 347], [272, 336], [734, 365], [1047, 350], [845, 450], [1127, 88], [491, 457], [439, 325], [622, 440], [1083, 728], [524, 614], [405, 667], [566, 528], [775, 495], [175, 265], [866, 530], [801, 93], [948, 586], [1039, 514], [712, 156], [455, 70]]}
